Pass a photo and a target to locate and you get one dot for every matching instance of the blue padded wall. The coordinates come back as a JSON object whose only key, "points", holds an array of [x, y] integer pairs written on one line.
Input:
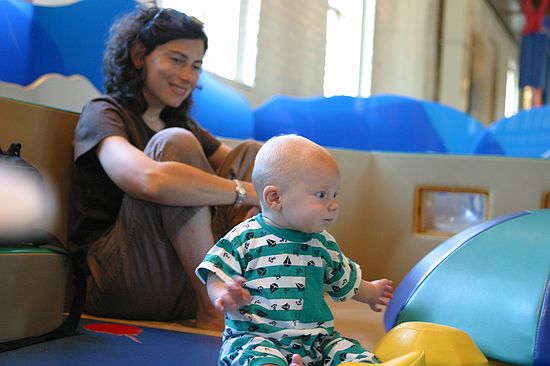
{"points": [[525, 134], [381, 122], [221, 110], [68, 40]]}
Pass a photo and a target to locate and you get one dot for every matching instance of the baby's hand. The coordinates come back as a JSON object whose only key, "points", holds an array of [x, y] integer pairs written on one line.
{"points": [[232, 296], [383, 293]]}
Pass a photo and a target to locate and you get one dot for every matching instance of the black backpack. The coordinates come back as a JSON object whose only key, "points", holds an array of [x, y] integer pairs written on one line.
{"points": [[37, 238]]}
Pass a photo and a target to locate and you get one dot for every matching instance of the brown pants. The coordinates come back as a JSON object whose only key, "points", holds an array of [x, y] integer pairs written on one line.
{"points": [[135, 271]]}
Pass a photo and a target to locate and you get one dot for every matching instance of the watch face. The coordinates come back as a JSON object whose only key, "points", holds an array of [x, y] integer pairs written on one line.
{"points": [[241, 193]]}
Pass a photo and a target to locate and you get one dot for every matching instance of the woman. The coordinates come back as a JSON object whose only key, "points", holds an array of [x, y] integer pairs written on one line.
{"points": [[144, 182]]}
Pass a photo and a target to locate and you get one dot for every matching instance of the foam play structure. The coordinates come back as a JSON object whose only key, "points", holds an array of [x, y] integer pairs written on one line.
{"points": [[442, 345], [221, 110], [490, 281], [380, 122], [390, 180], [525, 134], [67, 40]]}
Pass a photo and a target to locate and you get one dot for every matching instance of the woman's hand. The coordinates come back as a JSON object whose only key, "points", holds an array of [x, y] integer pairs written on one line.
{"points": [[165, 182]]}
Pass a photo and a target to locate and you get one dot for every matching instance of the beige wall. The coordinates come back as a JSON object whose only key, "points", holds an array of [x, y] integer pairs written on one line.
{"points": [[376, 226], [475, 53], [405, 48], [291, 49]]}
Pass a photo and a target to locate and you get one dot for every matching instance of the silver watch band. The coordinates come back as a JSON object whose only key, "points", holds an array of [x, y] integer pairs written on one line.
{"points": [[240, 192]]}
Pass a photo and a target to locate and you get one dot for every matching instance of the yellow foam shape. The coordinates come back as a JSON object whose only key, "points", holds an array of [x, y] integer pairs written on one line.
{"points": [[442, 345], [410, 359]]}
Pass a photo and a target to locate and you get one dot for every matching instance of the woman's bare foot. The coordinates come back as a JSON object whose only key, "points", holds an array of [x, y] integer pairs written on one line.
{"points": [[296, 360], [210, 319]]}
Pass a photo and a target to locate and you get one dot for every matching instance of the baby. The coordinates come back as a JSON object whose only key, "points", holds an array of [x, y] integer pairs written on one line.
{"points": [[269, 273]]}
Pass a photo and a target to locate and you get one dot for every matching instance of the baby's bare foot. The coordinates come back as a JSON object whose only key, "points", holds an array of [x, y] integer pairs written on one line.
{"points": [[296, 360]]}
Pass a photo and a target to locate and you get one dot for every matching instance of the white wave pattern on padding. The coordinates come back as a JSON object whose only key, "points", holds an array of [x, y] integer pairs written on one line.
{"points": [[53, 90]]}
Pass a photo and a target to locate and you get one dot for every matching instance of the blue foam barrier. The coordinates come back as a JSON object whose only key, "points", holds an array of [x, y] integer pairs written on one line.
{"points": [[380, 122], [221, 109], [525, 134], [68, 40]]}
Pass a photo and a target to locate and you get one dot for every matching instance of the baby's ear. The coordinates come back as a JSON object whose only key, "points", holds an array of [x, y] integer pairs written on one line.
{"points": [[272, 197]]}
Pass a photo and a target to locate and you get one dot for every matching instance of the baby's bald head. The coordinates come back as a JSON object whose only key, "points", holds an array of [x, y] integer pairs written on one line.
{"points": [[282, 159]]}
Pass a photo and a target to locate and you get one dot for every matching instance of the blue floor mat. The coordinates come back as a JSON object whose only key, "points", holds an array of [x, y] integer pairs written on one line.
{"points": [[150, 347]]}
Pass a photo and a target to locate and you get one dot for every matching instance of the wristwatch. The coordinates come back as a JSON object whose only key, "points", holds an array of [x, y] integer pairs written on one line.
{"points": [[240, 192]]}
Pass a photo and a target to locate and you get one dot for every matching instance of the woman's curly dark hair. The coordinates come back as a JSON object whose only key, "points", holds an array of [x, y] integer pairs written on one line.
{"points": [[152, 27]]}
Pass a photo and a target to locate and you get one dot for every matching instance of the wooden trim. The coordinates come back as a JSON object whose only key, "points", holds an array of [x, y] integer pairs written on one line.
{"points": [[545, 200]]}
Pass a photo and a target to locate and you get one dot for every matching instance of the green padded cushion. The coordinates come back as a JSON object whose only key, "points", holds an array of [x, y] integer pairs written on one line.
{"points": [[492, 288], [25, 249]]}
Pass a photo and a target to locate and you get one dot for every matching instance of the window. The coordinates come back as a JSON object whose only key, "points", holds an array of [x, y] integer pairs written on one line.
{"points": [[350, 39], [448, 210], [511, 97], [232, 29]]}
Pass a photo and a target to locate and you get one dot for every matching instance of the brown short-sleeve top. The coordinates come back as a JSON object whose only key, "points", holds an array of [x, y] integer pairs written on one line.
{"points": [[95, 199]]}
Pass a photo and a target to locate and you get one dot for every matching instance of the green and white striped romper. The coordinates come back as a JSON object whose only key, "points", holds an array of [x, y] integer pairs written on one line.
{"points": [[287, 273]]}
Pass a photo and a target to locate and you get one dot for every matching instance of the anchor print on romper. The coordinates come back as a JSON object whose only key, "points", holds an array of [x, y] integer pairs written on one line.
{"points": [[253, 328], [343, 356]]}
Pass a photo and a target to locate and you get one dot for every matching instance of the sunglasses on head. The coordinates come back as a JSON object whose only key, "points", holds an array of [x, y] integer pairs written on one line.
{"points": [[169, 16]]}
